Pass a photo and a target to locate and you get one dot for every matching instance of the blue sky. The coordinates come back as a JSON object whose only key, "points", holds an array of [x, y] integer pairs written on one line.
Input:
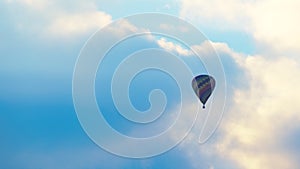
{"points": [[40, 42]]}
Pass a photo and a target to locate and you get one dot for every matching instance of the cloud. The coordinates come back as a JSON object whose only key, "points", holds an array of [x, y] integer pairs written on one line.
{"points": [[76, 24], [275, 23], [262, 115], [205, 49], [123, 27], [271, 23], [262, 118], [56, 19], [172, 47], [33, 4], [214, 12]]}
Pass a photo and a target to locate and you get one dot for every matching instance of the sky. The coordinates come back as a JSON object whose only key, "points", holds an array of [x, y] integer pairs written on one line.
{"points": [[257, 43]]}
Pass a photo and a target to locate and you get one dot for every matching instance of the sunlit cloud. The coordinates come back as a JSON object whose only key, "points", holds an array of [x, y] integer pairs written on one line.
{"points": [[271, 23], [254, 131], [263, 115]]}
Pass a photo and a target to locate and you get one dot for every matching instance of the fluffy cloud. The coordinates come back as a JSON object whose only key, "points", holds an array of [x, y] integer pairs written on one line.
{"points": [[263, 114], [272, 23], [275, 23], [262, 117]]}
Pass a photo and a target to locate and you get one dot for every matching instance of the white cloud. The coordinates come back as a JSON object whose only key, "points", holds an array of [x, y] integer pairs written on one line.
{"points": [[273, 23], [205, 48], [76, 24], [123, 27], [276, 22], [253, 133], [34, 4], [56, 19], [261, 114], [172, 47], [214, 12]]}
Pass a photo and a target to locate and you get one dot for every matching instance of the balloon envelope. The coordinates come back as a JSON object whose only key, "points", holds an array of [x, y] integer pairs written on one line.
{"points": [[203, 86]]}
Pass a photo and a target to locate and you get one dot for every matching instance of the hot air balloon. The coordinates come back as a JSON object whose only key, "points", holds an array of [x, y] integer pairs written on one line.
{"points": [[203, 86]]}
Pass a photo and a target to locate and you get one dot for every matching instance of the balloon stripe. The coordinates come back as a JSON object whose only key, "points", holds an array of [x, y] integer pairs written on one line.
{"points": [[206, 94], [204, 89], [201, 82], [203, 85]]}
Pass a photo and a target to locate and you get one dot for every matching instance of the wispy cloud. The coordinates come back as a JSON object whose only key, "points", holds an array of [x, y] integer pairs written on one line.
{"points": [[172, 47]]}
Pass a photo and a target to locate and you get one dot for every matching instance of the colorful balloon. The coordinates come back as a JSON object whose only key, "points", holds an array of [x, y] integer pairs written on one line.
{"points": [[203, 86]]}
